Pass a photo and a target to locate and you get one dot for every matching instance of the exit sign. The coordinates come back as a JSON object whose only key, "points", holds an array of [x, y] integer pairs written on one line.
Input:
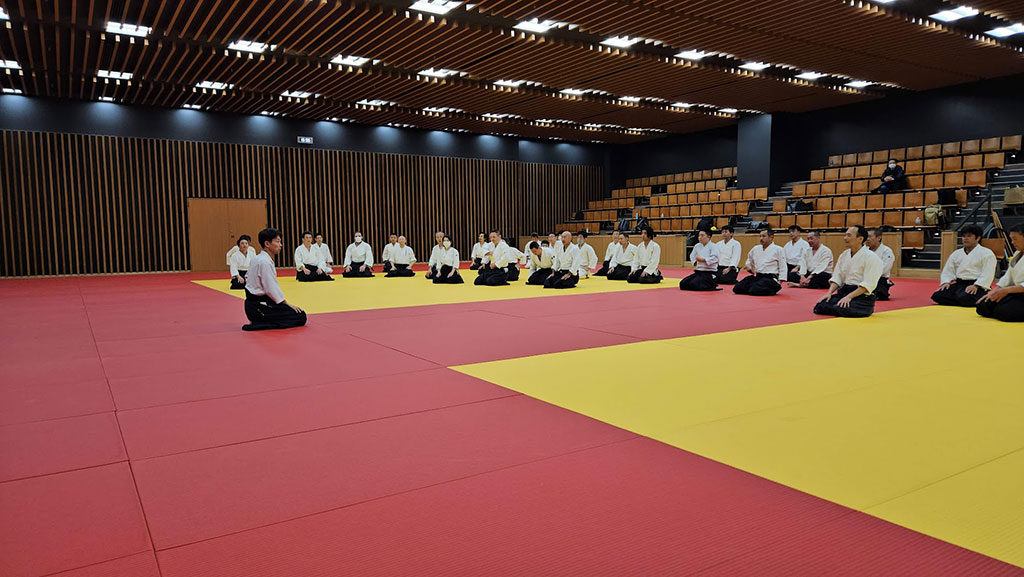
{"points": [[305, 140]]}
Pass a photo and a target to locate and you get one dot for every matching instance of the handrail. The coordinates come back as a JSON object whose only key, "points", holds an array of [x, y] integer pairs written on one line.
{"points": [[972, 216]]}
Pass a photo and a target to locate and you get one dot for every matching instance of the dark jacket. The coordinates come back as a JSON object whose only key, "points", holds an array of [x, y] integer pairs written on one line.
{"points": [[899, 177]]}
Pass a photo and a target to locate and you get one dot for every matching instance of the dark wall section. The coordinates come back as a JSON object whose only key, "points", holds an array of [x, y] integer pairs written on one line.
{"points": [[753, 151], [109, 119], [697, 151]]}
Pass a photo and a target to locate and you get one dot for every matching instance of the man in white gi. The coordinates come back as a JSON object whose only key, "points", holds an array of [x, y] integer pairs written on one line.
{"points": [[621, 264], [309, 265], [402, 259], [325, 252], [648, 257], [856, 276], [358, 259], [542, 259], [385, 256], [265, 306], [566, 270], [612, 246], [435, 254], [888, 259], [704, 257], [1006, 301], [795, 249], [815, 266], [494, 272], [729, 254], [477, 254], [968, 273], [766, 264], [588, 258]]}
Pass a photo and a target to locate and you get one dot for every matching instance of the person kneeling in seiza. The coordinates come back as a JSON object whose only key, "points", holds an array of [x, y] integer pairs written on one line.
{"points": [[648, 257], [612, 246], [815, 265], [729, 253], [494, 272], [309, 264], [385, 255], [239, 258], [566, 270], [358, 259], [448, 261], [402, 259], [476, 256], [854, 279], [1006, 301], [621, 264], [514, 256], [432, 263], [885, 253], [265, 306], [968, 273], [766, 264], [705, 259], [588, 258], [542, 259]]}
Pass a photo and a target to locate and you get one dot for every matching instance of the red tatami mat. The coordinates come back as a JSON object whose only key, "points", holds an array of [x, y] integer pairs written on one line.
{"points": [[631, 508], [69, 520], [53, 446], [140, 565], [194, 496], [184, 427], [25, 401]]}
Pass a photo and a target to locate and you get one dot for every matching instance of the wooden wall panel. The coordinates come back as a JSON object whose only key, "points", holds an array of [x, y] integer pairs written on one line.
{"points": [[82, 204]]}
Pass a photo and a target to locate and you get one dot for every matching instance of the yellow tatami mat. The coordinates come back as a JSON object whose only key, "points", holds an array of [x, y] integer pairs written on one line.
{"points": [[915, 416], [379, 292]]}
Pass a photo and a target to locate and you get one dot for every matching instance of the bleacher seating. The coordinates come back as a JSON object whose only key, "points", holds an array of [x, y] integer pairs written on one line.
{"points": [[684, 177]]}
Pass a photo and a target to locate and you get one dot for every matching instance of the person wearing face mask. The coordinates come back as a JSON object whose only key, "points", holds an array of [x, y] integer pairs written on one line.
{"points": [[893, 179], [358, 259], [588, 258], [386, 255], [448, 264], [239, 258], [402, 259]]}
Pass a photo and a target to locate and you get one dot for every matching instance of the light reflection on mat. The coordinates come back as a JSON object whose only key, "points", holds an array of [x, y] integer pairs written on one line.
{"points": [[904, 430]]}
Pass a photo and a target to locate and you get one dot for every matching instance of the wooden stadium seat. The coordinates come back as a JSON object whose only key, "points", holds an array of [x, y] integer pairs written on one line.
{"points": [[893, 218], [689, 187], [880, 156], [716, 173], [851, 159], [877, 170], [787, 220], [749, 193], [855, 219], [831, 174], [893, 200], [844, 187], [970, 146], [837, 220], [913, 239], [860, 186], [996, 245], [779, 206], [817, 175], [951, 148], [876, 201], [994, 160], [803, 221], [864, 158], [933, 180], [973, 161], [915, 152], [932, 150], [687, 210], [706, 174], [679, 224], [841, 203], [717, 209], [700, 186], [961, 197], [1011, 143], [742, 208], [914, 167], [953, 179], [913, 218], [990, 144], [931, 197], [952, 163], [847, 172], [863, 171], [823, 204], [915, 181], [932, 165], [761, 193], [725, 195], [774, 221], [835, 160], [819, 220], [859, 202], [812, 189], [720, 184], [913, 199], [705, 210], [976, 178], [702, 197], [799, 189], [685, 224], [898, 153], [828, 188]]}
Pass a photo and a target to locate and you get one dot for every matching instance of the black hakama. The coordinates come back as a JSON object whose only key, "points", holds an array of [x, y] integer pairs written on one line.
{"points": [[637, 277], [760, 285], [619, 273], [701, 280], [400, 270], [313, 275], [355, 272], [818, 281], [603, 271], [235, 285], [442, 276], [539, 276], [475, 265], [882, 290], [555, 280], [492, 277], [860, 307], [1009, 310], [957, 296], [727, 278], [387, 267], [264, 314], [513, 273]]}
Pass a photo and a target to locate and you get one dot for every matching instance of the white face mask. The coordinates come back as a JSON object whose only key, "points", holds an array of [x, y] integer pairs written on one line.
{"points": [[580, 241], [447, 244], [892, 165], [359, 239]]}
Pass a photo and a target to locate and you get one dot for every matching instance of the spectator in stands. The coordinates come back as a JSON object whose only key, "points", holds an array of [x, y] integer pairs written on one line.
{"points": [[265, 306], [623, 259], [542, 259], [893, 179], [358, 258], [402, 259], [588, 258], [612, 246], [478, 252], [968, 273], [795, 249], [766, 264], [388, 248], [648, 257], [816, 266], [566, 271], [309, 265], [495, 270], [855, 278], [1006, 301], [729, 253], [885, 253], [705, 260]]}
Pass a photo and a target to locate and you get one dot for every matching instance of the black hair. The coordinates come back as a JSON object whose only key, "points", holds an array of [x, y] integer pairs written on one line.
{"points": [[971, 229], [304, 233], [861, 232], [316, 234], [624, 233], [729, 228], [545, 242], [496, 231], [876, 231], [533, 244], [532, 234], [445, 237], [268, 235], [244, 237], [795, 227], [583, 233], [706, 231], [1019, 229], [650, 232], [769, 231]]}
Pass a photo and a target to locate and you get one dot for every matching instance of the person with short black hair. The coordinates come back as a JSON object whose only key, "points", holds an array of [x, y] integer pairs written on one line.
{"points": [[729, 253], [325, 252], [608, 251], [477, 254], [358, 259], [968, 273], [239, 258], [856, 276], [623, 259], [265, 306], [309, 265], [448, 264], [766, 263], [795, 250], [705, 260], [495, 270], [815, 267], [402, 259], [565, 273], [1006, 301], [588, 258], [888, 259], [534, 237], [648, 257], [542, 261], [385, 255], [894, 178]]}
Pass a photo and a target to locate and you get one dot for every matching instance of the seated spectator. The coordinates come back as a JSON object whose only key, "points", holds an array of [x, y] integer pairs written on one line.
{"points": [[893, 179]]}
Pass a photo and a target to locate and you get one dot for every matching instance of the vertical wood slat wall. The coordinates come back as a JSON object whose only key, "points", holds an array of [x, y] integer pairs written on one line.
{"points": [[84, 204]]}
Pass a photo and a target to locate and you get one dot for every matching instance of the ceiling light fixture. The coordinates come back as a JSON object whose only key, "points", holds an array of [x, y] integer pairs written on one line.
{"points": [[810, 75], [538, 26], [114, 74], [270, 113], [440, 72], [755, 66], [630, 99], [3, 14], [11, 91], [251, 46], [859, 84], [955, 14], [192, 106], [106, 99], [12, 64], [128, 29], [208, 85], [442, 109], [729, 110], [621, 41], [575, 91], [356, 61], [434, 6], [692, 54], [681, 105], [375, 103], [296, 94], [1004, 31]]}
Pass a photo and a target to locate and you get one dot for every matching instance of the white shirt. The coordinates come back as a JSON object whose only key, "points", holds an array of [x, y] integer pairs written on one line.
{"points": [[447, 257], [861, 269], [527, 252], [888, 259], [768, 261], [980, 264], [238, 261], [729, 253], [624, 256], [608, 252], [648, 257], [588, 259], [308, 257], [388, 249], [435, 256], [403, 255], [709, 252], [325, 253], [567, 260], [795, 252], [499, 255], [545, 260], [815, 262], [359, 253], [478, 250], [514, 256], [262, 278], [1015, 274]]}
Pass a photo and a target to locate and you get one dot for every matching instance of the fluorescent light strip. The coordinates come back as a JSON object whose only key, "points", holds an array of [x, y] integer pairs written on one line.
{"points": [[296, 94], [375, 103], [810, 75], [630, 99], [859, 84], [251, 46], [3, 14], [192, 106], [729, 110], [11, 64], [435, 6], [510, 83], [114, 74], [270, 113], [208, 85], [106, 99], [1004, 31], [692, 54], [575, 91], [128, 29], [538, 26], [755, 66], [11, 91], [681, 105], [440, 72], [621, 41], [356, 61], [955, 14], [442, 109]]}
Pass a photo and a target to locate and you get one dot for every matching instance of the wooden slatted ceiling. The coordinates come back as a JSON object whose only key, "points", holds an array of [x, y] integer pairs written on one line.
{"points": [[1010, 10], [118, 205]]}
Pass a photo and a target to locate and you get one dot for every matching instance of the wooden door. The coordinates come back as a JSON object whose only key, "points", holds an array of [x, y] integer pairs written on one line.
{"points": [[214, 224]]}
